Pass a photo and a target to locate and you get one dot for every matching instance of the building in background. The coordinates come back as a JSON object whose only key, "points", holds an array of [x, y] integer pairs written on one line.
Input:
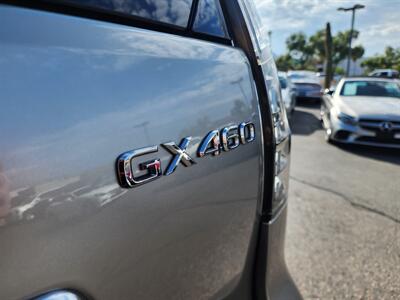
{"points": [[355, 66]]}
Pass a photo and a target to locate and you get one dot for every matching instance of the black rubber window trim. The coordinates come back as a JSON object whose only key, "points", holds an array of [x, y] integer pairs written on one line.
{"points": [[118, 18], [193, 14], [241, 38]]}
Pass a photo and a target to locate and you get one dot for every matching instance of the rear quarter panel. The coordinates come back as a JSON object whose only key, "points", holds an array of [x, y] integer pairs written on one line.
{"points": [[75, 94]]}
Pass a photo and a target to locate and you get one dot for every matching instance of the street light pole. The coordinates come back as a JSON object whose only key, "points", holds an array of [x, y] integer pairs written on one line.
{"points": [[350, 39], [353, 10]]}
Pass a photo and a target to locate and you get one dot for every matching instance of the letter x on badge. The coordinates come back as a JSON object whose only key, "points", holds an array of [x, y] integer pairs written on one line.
{"points": [[180, 155]]}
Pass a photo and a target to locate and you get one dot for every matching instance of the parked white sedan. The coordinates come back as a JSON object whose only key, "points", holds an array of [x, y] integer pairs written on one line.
{"points": [[363, 111]]}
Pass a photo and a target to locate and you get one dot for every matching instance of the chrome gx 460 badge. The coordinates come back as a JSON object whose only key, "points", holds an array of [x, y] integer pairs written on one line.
{"points": [[215, 142]]}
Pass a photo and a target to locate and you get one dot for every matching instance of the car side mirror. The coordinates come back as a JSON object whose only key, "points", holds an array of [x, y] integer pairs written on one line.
{"points": [[329, 92]]}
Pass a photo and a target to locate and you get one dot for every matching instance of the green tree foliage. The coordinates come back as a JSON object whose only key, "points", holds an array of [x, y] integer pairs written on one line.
{"points": [[341, 47], [389, 60], [357, 52], [317, 43], [284, 62], [340, 71], [307, 53], [299, 49]]}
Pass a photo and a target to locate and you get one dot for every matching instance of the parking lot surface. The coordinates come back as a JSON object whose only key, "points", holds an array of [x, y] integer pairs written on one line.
{"points": [[343, 231]]}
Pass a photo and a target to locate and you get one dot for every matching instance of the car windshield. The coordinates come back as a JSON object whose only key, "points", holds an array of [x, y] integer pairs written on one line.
{"points": [[371, 88], [283, 82]]}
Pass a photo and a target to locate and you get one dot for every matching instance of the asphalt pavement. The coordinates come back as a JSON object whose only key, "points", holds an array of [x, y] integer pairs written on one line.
{"points": [[343, 231]]}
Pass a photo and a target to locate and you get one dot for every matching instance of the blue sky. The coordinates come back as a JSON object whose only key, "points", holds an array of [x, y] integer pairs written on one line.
{"points": [[378, 22]]}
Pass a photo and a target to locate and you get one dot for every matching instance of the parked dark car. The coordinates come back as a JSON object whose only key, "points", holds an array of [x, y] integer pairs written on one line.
{"points": [[307, 84], [145, 152]]}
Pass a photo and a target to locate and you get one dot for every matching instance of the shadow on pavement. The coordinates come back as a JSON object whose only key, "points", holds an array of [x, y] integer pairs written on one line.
{"points": [[304, 123], [377, 153], [308, 103]]}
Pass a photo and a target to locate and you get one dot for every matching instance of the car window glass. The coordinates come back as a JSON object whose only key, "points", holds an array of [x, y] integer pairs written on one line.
{"points": [[393, 89], [350, 88], [371, 88], [209, 19], [174, 12]]}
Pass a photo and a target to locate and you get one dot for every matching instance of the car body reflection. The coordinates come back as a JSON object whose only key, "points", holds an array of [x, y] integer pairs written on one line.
{"points": [[61, 199]]}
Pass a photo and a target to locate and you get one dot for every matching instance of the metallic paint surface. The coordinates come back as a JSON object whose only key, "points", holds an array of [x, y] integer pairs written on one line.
{"points": [[75, 94], [280, 285]]}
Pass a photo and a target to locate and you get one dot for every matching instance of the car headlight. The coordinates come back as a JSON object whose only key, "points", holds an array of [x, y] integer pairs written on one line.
{"points": [[347, 119]]}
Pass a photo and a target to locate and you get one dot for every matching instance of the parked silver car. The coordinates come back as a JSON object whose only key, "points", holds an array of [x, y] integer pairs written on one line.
{"points": [[307, 84], [289, 92], [144, 152], [363, 111], [386, 73]]}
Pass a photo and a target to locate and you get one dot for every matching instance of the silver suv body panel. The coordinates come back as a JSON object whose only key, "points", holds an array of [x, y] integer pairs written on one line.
{"points": [[76, 93]]}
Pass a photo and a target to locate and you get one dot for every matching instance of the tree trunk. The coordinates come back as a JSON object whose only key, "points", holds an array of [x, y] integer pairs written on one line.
{"points": [[328, 56]]}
